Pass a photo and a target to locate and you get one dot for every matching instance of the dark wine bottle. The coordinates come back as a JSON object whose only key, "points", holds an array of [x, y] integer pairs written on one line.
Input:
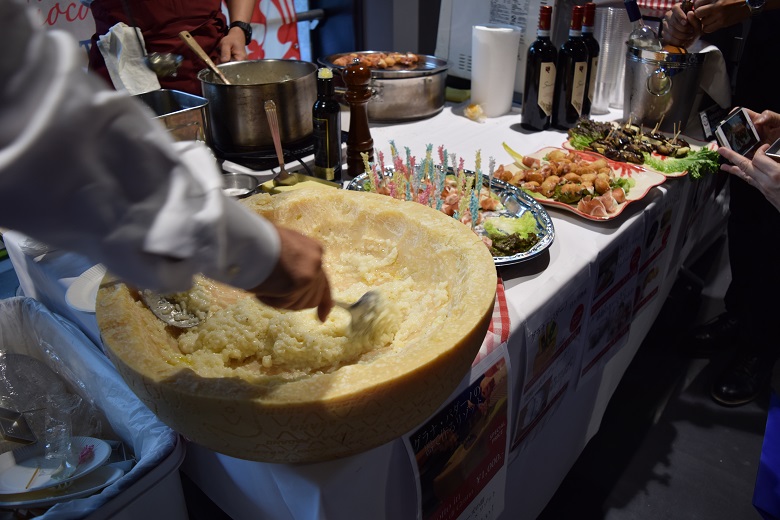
{"points": [[571, 76], [588, 22], [326, 115], [539, 91]]}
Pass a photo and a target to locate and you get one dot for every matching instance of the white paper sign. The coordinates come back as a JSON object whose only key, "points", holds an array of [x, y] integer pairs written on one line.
{"points": [[459, 455]]}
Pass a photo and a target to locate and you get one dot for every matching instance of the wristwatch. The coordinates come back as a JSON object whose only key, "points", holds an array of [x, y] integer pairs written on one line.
{"points": [[248, 28], [755, 6]]}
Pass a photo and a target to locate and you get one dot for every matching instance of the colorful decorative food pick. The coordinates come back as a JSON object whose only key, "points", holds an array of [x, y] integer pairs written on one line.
{"points": [[453, 191], [425, 182]]}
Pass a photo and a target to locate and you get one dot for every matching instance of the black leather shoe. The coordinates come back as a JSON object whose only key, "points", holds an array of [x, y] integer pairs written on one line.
{"points": [[714, 335], [742, 382]]}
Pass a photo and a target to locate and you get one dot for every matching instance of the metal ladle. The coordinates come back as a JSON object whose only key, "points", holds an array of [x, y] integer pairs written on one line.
{"points": [[163, 64], [168, 311], [365, 312]]}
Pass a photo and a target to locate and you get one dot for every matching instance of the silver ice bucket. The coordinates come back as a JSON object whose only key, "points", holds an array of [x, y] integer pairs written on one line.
{"points": [[661, 86]]}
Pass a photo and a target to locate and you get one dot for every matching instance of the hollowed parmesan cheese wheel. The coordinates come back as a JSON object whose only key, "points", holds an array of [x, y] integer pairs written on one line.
{"points": [[279, 386]]}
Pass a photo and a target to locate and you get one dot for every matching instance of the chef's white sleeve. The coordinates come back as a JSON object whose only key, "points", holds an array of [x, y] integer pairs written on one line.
{"points": [[89, 169]]}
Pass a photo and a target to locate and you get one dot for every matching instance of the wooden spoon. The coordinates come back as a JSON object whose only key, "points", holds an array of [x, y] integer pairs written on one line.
{"points": [[190, 41]]}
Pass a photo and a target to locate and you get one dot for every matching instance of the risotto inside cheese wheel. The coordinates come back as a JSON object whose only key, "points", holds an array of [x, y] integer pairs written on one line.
{"points": [[271, 385]]}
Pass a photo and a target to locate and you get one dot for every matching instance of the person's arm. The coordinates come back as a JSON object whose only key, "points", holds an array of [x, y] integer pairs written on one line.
{"points": [[88, 169], [233, 46], [763, 172]]}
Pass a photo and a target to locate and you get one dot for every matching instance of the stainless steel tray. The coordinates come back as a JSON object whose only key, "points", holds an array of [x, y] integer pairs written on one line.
{"points": [[515, 201]]}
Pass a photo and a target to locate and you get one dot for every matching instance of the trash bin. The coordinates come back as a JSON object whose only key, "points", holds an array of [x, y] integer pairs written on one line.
{"points": [[152, 488]]}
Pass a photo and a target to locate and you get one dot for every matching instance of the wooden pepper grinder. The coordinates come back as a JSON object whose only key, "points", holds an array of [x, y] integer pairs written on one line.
{"points": [[357, 78]]}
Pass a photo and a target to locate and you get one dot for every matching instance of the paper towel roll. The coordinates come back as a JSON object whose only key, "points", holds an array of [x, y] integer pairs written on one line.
{"points": [[494, 49]]}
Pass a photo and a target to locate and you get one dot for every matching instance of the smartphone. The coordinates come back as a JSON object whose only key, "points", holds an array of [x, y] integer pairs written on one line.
{"points": [[774, 151], [737, 132]]}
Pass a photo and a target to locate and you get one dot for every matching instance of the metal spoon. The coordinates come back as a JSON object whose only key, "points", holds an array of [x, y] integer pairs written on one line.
{"points": [[284, 177], [190, 41], [161, 63], [365, 311], [168, 310]]}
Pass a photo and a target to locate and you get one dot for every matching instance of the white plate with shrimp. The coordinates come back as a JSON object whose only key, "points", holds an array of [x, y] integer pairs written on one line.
{"points": [[585, 183]]}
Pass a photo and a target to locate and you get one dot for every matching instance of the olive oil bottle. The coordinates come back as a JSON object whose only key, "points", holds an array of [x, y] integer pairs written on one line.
{"points": [[326, 116]]}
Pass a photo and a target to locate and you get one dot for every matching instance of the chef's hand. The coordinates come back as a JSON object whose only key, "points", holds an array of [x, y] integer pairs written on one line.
{"points": [[763, 172], [298, 281], [233, 46], [680, 28]]}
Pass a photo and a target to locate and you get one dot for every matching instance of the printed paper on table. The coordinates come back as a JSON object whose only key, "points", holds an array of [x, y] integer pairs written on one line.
{"points": [[554, 336], [459, 455], [612, 307]]}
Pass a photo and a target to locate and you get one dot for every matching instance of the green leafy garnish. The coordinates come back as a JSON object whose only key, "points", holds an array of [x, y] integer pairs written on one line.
{"points": [[586, 131], [500, 226], [518, 158], [511, 235], [697, 164], [580, 142], [625, 183]]}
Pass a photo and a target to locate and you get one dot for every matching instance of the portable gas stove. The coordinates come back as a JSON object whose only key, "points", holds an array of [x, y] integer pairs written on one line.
{"points": [[266, 160]]}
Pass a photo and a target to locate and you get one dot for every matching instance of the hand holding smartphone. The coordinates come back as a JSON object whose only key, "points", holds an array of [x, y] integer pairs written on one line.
{"points": [[738, 133], [774, 151]]}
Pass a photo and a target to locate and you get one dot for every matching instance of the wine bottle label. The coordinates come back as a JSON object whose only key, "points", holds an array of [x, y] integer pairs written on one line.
{"points": [[546, 87], [594, 64], [578, 85]]}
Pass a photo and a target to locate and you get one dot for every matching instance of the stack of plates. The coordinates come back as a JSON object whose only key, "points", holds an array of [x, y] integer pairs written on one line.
{"points": [[28, 479]]}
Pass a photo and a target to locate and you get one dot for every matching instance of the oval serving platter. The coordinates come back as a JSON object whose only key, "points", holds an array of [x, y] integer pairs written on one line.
{"points": [[515, 204], [644, 180], [694, 144]]}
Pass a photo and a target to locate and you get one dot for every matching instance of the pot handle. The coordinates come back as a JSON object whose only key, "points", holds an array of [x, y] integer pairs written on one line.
{"points": [[659, 83]]}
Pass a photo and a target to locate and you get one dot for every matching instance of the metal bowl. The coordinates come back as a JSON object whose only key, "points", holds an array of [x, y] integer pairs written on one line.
{"points": [[239, 185], [403, 94]]}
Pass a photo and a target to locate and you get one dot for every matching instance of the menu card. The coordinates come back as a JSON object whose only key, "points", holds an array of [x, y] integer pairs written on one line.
{"points": [[553, 338], [612, 307], [459, 455]]}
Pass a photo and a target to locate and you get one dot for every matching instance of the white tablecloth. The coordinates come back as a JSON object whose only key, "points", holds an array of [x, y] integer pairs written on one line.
{"points": [[380, 483]]}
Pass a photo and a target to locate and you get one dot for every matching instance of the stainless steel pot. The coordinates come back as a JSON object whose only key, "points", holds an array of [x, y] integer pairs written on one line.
{"points": [[405, 94], [237, 118]]}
